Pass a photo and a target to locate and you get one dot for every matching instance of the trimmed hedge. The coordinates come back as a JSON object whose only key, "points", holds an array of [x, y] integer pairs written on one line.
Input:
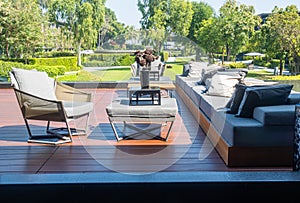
{"points": [[125, 60], [54, 54], [70, 63], [234, 65], [52, 71], [104, 60]]}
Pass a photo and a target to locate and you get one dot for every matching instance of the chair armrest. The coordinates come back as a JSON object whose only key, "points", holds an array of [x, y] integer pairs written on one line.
{"points": [[66, 93], [39, 108]]}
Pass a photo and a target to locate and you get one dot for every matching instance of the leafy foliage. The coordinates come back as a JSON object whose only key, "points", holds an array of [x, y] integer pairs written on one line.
{"points": [[20, 29], [167, 15], [236, 23], [201, 11], [83, 18], [280, 36], [6, 67], [70, 63]]}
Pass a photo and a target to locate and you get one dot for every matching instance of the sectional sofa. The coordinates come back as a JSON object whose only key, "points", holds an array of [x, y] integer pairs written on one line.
{"points": [[262, 138]]}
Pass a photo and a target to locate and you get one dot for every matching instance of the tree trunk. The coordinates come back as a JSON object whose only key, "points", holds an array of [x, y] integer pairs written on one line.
{"points": [[297, 63], [223, 56], [280, 66], [79, 54], [6, 50], [228, 52]]}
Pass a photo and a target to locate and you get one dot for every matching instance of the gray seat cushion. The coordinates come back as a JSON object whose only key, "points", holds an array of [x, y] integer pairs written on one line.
{"points": [[210, 104], [121, 108], [294, 98], [248, 132], [74, 109], [275, 115]]}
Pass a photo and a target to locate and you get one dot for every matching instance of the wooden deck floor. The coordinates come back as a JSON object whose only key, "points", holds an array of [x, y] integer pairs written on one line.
{"points": [[186, 150]]}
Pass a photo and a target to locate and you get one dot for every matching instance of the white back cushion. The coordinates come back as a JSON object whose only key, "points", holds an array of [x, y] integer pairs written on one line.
{"points": [[222, 85], [35, 82]]}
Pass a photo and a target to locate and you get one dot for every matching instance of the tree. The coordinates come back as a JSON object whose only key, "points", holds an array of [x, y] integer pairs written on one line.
{"points": [[166, 15], [209, 37], [281, 34], [20, 27], [83, 18], [237, 25], [202, 11], [111, 28], [162, 17]]}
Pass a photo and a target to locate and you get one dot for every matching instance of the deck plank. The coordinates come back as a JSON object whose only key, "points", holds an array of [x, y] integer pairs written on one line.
{"points": [[186, 150]]}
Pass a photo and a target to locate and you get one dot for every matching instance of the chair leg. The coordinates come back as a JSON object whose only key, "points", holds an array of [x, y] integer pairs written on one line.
{"points": [[46, 138]]}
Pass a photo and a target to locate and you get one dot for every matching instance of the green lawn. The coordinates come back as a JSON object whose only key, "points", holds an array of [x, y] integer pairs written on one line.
{"points": [[124, 73], [117, 74]]}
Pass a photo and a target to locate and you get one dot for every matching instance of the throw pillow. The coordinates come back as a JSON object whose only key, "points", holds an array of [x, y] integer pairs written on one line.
{"points": [[238, 94], [196, 68], [185, 70], [236, 98], [209, 72], [263, 96], [222, 85]]}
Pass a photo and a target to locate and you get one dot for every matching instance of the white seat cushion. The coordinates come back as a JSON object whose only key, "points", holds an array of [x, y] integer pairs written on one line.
{"points": [[121, 108]]}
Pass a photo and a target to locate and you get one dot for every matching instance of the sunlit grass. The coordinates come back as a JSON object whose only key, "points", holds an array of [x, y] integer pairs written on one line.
{"points": [[116, 74], [259, 74], [80, 76]]}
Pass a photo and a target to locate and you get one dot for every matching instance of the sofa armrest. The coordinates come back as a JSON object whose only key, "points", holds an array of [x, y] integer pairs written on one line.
{"points": [[275, 115]]}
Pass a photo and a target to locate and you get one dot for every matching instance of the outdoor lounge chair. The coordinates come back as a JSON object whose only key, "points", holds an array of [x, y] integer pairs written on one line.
{"points": [[42, 98]]}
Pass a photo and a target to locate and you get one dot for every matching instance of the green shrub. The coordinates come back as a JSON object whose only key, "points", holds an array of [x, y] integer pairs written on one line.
{"points": [[52, 71], [109, 59], [275, 63], [285, 77], [6, 67], [69, 62], [97, 64], [237, 65], [125, 60], [259, 62], [269, 64], [53, 54]]}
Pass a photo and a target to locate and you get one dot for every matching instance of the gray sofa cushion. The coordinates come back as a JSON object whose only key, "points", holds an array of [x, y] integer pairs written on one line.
{"points": [[211, 104], [275, 115], [263, 96], [294, 98], [243, 132], [248, 132], [190, 87]]}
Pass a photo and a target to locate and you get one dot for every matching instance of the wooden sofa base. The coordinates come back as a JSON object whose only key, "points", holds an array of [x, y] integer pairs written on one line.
{"points": [[238, 156]]}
